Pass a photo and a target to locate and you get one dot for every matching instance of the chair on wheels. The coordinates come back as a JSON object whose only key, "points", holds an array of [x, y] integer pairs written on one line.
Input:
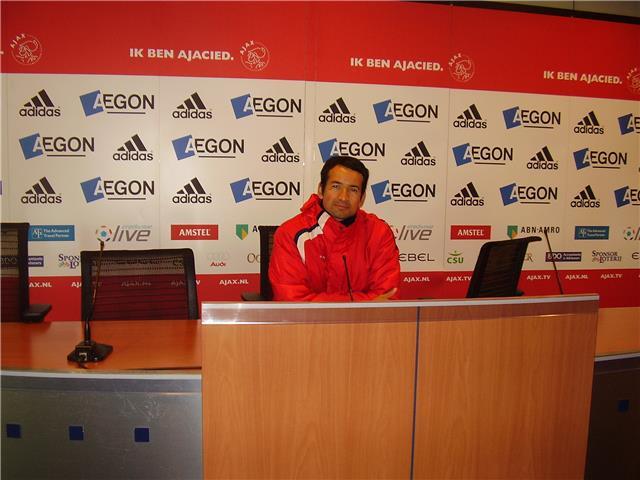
{"points": [[15, 277], [266, 246], [139, 284]]}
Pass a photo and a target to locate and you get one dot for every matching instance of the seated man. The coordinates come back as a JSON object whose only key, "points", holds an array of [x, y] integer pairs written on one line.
{"points": [[334, 251]]}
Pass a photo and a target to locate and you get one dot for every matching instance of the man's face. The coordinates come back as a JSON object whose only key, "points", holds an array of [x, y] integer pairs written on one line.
{"points": [[342, 195]]}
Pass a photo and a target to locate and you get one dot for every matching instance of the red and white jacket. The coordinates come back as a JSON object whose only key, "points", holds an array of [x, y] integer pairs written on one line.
{"points": [[311, 249]]}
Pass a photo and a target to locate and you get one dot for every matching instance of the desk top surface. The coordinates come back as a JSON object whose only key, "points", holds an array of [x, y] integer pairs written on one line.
{"points": [[137, 345]]}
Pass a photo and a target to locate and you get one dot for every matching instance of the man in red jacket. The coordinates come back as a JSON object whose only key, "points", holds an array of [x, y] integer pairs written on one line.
{"points": [[333, 250]]}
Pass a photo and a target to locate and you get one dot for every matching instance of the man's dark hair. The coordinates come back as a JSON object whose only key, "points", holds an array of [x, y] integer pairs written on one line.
{"points": [[348, 162]]}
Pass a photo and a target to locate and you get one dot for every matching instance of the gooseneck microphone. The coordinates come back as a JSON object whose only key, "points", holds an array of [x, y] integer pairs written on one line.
{"points": [[88, 350], [346, 271], [553, 260]]}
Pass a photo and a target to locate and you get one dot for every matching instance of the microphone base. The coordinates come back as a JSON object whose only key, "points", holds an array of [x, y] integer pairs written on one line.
{"points": [[90, 352]]}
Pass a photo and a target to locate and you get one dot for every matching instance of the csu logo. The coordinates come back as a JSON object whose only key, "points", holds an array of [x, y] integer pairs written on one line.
{"points": [[246, 189], [40, 105], [518, 117], [246, 105], [599, 159], [116, 103], [388, 110], [364, 151], [629, 123], [98, 189], [527, 194], [627, 196], [481, 154], [402, 192], [37, 145], [190, 146]]}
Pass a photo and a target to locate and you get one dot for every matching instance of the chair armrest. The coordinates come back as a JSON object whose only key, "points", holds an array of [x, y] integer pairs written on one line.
{"points": [[35, 313]]}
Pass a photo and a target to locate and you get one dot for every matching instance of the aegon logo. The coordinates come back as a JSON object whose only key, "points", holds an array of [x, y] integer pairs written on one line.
{"points": [[418, 155], [246, 105], [68, 261], [481, 154], [599, 159], [517, 117], [41, 193], [412, 232], [116, 103], [403, 192], [629, 123], [189, 146], [124, 233], [627, 196], [528, 194], [388, 110], [364, 151], [281, 152], [98, 189], [133, 149], [246, 189], [40, 105], [337, 112], [36, 145]]}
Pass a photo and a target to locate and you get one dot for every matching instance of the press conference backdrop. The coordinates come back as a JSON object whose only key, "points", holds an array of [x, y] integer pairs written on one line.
{"points": [[158, 125]]}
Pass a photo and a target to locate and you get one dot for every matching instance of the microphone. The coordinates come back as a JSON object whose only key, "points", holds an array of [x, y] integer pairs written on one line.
{"points": [[553, 261], [88, 350], [346, 270]]}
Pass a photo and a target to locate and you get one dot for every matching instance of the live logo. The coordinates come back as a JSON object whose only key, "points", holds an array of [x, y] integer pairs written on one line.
{"points": [[194, 232]]}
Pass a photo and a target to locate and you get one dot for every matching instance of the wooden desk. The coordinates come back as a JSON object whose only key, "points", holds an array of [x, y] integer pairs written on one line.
{"points": [[150, 383]]}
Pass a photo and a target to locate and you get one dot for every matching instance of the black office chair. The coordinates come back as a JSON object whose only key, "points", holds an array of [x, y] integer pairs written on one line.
{"points": [[139, 284], [266, 246], [498, 268], [15, 277]]}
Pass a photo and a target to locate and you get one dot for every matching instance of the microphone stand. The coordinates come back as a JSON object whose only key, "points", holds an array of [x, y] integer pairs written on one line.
{"points": [[88, 350]]}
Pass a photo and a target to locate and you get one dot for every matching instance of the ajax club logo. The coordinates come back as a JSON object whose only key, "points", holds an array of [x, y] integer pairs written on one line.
{"points": [[461, 68], [26, 49], [254, 56]]}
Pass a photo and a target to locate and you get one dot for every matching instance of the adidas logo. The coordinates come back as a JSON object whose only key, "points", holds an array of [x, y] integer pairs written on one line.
{"points": [[193, 107], [470, 118], [467, 197], [589, 124], [133, 149], [40, 105], [281, 151], [542, 161], [585, 199], [338, 112], [192, 192], [41, 193], [418, 155]]}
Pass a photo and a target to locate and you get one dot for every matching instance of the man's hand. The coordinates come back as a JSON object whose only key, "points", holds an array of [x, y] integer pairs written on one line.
{"points": [[386, 296]]}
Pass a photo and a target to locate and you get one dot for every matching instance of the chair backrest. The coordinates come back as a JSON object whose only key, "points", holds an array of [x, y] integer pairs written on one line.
{"points": [[266, 246], [139, 284], [15, 271]]}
